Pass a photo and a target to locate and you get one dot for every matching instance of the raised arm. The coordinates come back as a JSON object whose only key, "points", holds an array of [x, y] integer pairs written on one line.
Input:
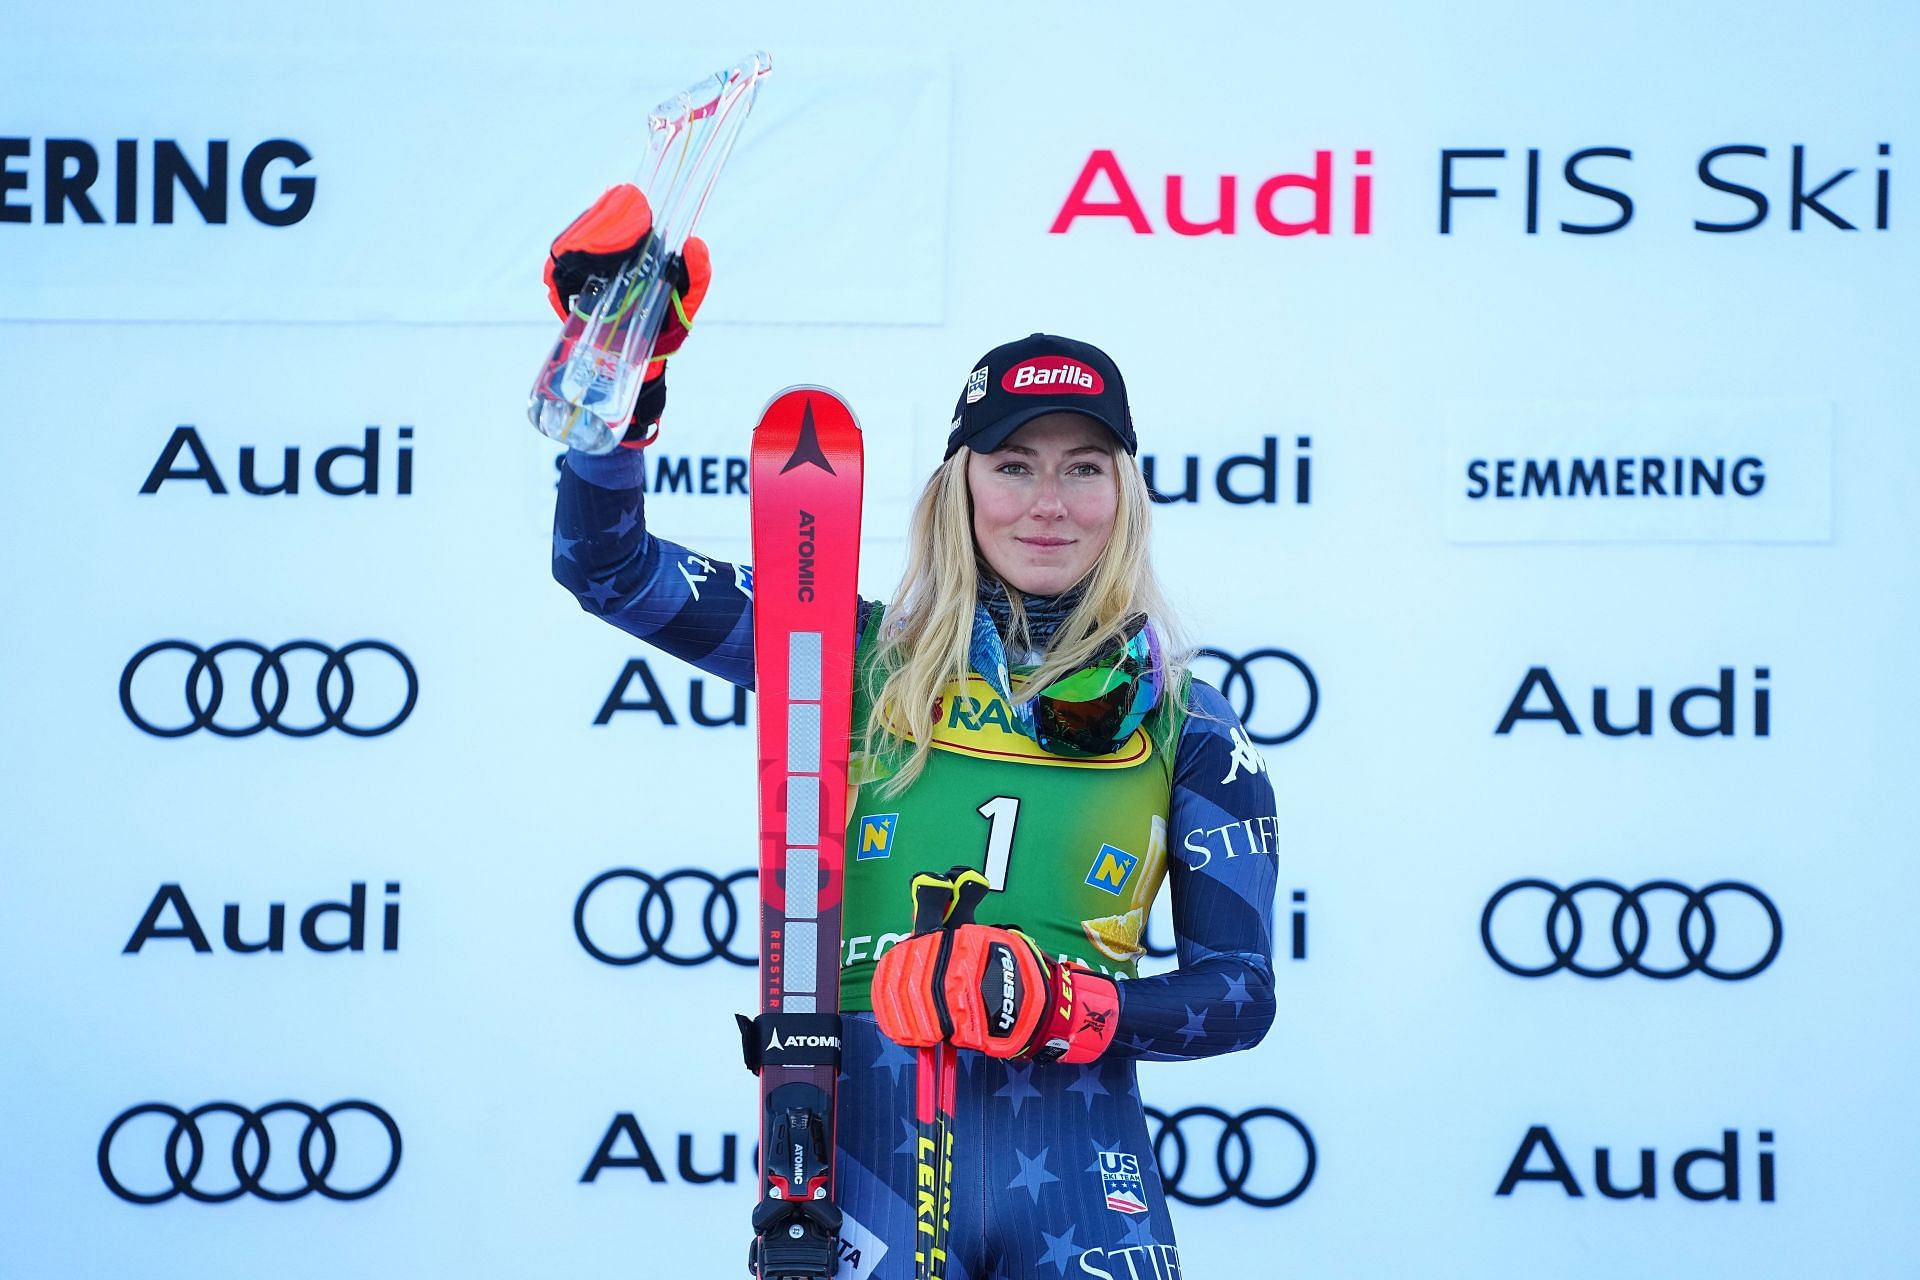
{"points": [[692, 606]]}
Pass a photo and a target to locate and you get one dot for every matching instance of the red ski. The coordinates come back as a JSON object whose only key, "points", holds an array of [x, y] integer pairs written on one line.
{"points": [[806, 485]]}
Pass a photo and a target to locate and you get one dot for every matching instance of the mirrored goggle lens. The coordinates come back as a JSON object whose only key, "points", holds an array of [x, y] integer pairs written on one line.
{"points": [[1093, 711], [1093, 727]]}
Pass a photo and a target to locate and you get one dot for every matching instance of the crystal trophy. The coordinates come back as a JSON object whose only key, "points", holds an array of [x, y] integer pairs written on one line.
{"points": [[587, 385]]}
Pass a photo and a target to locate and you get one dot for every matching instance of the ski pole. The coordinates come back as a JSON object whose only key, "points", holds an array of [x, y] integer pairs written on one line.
{"points": [[938, 902]]}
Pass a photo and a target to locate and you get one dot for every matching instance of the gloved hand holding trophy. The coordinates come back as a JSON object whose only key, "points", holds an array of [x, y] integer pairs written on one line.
{"points": [[628, 275]]}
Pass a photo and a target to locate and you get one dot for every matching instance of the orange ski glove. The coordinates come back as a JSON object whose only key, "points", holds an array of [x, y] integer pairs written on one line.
{"points": [[987, 987], [595, 244]]}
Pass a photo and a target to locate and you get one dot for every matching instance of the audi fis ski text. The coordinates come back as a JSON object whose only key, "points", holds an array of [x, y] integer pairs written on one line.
{"points": [[1487, 189]]}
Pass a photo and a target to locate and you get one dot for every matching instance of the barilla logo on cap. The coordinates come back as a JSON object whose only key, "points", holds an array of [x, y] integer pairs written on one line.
{"points": [[1045, 375], [977, 385]]}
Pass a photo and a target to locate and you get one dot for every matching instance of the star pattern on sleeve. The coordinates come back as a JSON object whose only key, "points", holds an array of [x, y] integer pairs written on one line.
{"points": [[1194, 1027], [1236, 992], [563, 547], [602, 592], [625, 524]]}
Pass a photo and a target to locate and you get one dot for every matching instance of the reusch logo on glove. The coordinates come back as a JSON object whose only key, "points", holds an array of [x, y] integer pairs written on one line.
{"points": [[1051, 375], [1001, 961]]}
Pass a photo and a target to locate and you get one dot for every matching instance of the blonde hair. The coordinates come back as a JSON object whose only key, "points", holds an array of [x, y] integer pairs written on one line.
{"points": [[926, 631]]}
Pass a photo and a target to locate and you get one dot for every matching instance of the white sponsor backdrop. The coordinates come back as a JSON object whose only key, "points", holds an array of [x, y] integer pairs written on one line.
{"points": [[886, 218]]}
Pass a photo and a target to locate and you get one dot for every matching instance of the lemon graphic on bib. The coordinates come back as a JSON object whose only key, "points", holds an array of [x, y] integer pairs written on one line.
{"points": [[1118, 937]]}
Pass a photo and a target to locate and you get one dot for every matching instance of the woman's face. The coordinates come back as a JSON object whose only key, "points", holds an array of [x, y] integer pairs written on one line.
{"points": [[1044, 502]]}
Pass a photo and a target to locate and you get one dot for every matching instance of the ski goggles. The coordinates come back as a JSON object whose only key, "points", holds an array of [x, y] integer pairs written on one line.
{"points": [[1096, 709]]}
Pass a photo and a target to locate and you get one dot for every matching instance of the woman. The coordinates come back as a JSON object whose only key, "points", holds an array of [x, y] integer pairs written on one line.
{"points": [[1017, 711]]}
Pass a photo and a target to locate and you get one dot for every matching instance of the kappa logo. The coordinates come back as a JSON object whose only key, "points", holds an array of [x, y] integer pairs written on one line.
{"points": [[1111, 869], [876, 836], [1120, 1180], [977, 385], [1044, 374], [1244, 756]]}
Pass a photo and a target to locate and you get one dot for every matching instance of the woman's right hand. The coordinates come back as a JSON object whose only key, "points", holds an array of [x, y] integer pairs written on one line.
{"points": [[596, 243]]}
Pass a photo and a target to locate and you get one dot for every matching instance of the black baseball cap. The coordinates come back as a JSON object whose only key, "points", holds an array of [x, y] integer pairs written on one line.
{"points": [[1018, 381]]}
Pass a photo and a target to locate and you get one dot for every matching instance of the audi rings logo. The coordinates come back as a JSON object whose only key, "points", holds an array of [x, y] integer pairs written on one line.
{"points": [[1264, 1157], [369, 680], [346, 1151], [1661, 929], [684, 917], [1272, 691]]}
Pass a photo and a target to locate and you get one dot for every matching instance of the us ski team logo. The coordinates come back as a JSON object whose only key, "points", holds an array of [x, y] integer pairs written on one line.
{"points": [[1120, 1174], [977, 385]]}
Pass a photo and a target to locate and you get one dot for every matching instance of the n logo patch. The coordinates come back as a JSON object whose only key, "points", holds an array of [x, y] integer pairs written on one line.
{"points": [[1111, 869], [876, 836]]}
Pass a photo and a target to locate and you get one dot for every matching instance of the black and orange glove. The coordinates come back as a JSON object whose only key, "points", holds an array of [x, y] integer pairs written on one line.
{"points": [[987, 987], [595, 244]]}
